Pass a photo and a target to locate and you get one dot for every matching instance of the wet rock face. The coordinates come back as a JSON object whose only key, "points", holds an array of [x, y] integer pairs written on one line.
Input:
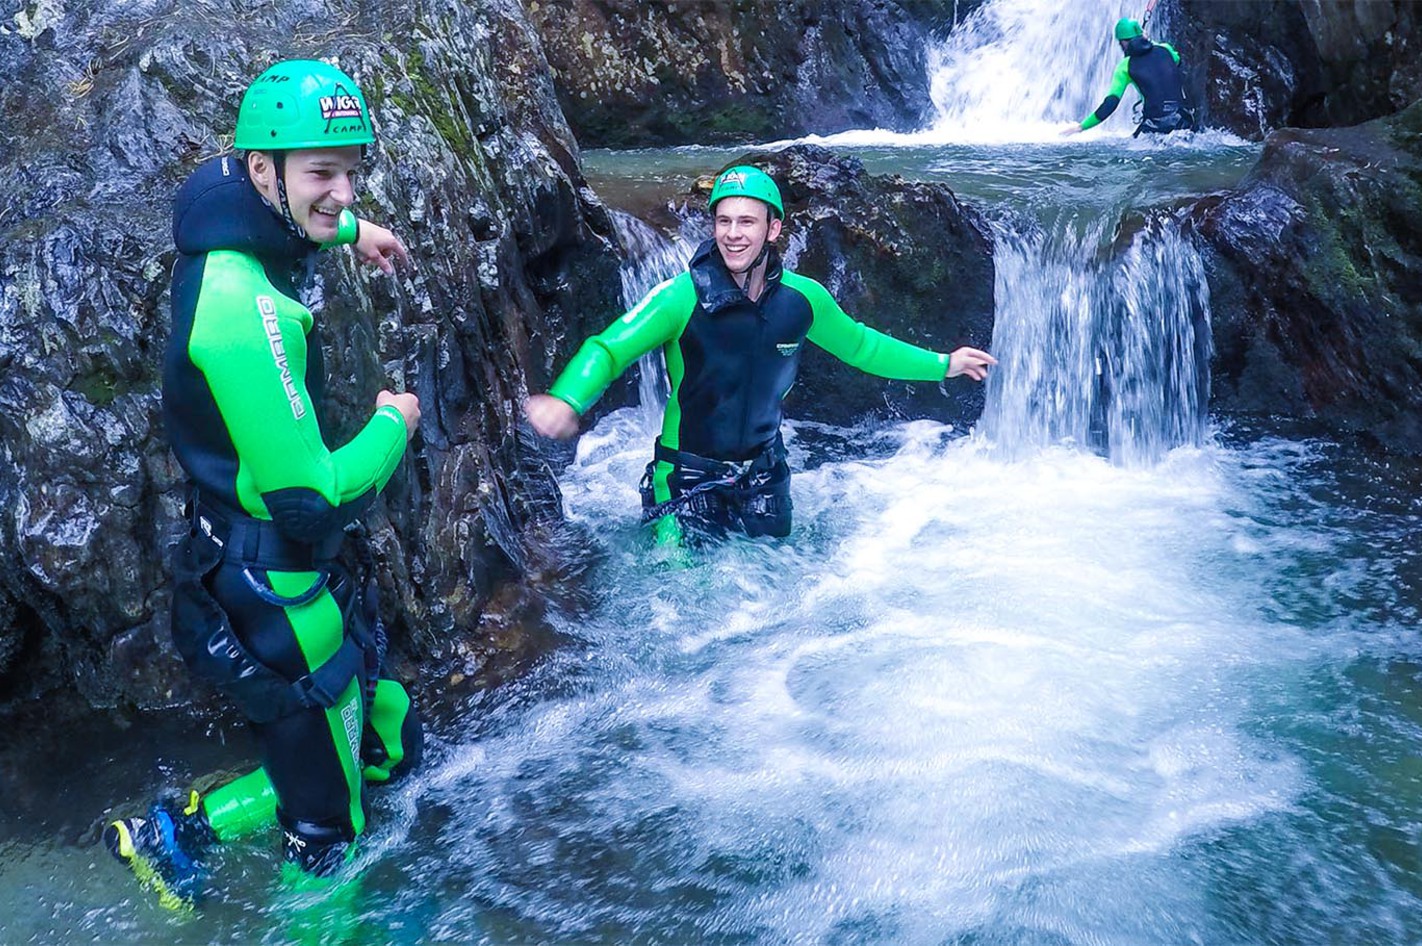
{"points": [[104, 108], [1315, 267], [1257, 65], [632, 73], [906, 259]]}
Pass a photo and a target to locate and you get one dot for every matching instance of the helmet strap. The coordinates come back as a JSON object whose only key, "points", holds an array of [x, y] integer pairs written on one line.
{"points": [[279, 165], [749, 272]]}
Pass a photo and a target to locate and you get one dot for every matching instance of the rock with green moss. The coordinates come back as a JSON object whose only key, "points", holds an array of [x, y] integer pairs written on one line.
{"points": [[1315, 266], [105, 107]]}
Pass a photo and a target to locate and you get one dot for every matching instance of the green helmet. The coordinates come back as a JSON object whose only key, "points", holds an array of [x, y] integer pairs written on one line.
{"points": [[746, 181], [302, 103], [1127, 28]]}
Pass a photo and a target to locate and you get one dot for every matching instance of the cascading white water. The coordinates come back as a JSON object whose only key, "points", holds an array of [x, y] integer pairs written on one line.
{"points": [[1102, 345], [1013, 71], [651, 258], [1110, 354]]}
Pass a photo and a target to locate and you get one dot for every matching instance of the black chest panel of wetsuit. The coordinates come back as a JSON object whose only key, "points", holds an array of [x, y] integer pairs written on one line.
{"points": [[740, 357]]}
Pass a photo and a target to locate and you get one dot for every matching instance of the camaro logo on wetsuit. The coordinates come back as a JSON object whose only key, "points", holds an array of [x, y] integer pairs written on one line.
{"points": [[352, 722], [267, 308], [787, 348]]}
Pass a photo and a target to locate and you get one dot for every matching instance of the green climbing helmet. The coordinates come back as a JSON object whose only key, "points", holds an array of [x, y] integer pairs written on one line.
{"points": [[1127, 28], [746, 181], [302, 103]]}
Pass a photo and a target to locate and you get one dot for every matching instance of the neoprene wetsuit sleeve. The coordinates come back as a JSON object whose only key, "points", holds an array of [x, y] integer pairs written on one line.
{"points": [[656, 320], [860, 346], [1119, 81], [1174, 55], [249, 341]]}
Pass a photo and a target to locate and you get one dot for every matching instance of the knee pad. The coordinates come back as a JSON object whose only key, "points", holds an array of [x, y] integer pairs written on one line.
{"points": [[393, 743], [318, 850]]}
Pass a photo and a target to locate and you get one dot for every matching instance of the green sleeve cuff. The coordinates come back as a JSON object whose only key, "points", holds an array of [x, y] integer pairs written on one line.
{"points": [[347, 229], [570, 399], [393, 411]]}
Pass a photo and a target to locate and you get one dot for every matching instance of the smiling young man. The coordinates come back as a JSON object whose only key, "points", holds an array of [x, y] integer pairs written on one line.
{"points": [[261, 607], [731, 328]]}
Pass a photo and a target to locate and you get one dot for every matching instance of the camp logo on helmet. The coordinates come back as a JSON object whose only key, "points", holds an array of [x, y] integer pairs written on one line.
{"points": [[734, 177], [342, 112], [340, 106]]}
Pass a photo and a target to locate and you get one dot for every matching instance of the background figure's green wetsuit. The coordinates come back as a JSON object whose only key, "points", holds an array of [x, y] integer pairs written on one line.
{"points": [[731, 362], [243, 376], [1154, 69]]}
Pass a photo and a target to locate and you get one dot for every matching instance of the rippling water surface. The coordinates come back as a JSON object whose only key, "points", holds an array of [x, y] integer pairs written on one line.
{"points": [[974, 700]]}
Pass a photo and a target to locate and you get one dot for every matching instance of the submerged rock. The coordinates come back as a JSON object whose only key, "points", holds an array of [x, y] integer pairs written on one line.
{"points": [[1315, 268]]}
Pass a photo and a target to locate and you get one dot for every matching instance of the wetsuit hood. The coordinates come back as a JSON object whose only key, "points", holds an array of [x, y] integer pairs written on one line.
{"points": [[716, 288], [219, 208], [1138, 46]]}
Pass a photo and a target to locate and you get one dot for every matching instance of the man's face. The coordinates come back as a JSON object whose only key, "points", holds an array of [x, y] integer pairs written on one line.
{"points": [[320, 183], [743, 226]]}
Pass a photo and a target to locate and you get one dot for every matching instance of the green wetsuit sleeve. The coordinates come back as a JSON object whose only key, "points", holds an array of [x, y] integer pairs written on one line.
{"points": [[1171, 50], [656, 320], [249, 341], [856, 344], [1119, 81]]}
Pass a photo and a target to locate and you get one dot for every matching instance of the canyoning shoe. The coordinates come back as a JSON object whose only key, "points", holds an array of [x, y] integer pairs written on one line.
{"points": [[151, 847]]}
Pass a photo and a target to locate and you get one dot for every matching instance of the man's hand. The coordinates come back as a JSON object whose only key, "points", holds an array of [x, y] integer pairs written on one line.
{"points": [[971, 362], [377, 246], [551, 417], [407, 404], [1071, 129]]}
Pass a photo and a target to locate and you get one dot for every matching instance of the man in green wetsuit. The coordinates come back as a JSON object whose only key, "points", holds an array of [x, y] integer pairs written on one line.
{"points": [[1154, 69], [731, 328], [261, 607]]}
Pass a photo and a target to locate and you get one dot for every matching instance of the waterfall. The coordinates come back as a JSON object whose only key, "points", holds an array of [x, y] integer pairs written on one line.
{"points": [[1015, 67], [650, 259], [1108, 353]]}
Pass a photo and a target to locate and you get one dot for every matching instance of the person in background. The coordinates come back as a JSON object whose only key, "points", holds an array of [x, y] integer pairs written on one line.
{"points": [[732, 328], [1154, 69]]}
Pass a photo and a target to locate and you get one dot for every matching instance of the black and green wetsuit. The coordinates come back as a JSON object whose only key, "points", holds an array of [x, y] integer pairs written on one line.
{"points": [[731, 361], [243, 379], [1154, 69]]}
